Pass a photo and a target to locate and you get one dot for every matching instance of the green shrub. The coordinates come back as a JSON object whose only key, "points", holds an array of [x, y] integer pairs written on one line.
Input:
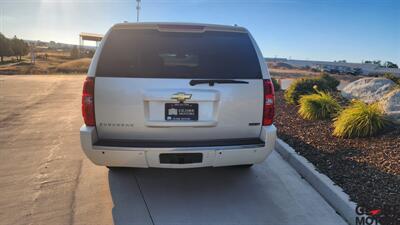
{"points": [[331, 82], [360, 120], [304, 86], [277, 86], [318, 106]]}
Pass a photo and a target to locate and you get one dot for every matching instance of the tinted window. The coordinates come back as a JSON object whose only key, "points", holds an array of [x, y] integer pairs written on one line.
{"points": [[154, 54]]}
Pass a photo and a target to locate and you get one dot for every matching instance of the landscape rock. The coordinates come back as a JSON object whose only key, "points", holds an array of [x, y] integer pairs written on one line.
{"points": [[391, 105], [368, 89], [380, 90]]}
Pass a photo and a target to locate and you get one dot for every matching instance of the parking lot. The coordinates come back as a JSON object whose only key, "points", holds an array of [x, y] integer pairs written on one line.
{"points": [[46, 179]]}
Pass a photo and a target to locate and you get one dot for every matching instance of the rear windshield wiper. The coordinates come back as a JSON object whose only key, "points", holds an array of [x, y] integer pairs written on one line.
{"points": [[212, 82]]}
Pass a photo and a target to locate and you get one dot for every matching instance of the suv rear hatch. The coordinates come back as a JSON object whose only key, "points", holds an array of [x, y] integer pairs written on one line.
{"points": [[162, 84]]}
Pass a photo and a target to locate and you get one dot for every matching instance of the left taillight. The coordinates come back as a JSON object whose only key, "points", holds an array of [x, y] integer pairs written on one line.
{"points": [[269, 103], [88, 102]]}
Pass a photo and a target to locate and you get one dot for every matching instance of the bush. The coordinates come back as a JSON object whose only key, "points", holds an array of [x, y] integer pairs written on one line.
{"points": [[74, 54], [304, 86], [318, 106], [360, 120], [277, 86], [392, 77], [330, 81]]}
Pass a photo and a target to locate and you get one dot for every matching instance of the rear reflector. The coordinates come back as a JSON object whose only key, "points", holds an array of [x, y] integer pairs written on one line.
{"points": [[269, 103], [88, 102]]}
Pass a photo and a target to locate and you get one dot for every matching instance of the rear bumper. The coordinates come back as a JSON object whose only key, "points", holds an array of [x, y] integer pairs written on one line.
{"points": [[213, 156]]}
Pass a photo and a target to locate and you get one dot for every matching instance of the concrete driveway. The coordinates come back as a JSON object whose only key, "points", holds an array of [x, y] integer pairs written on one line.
{"points": [[45, 178], [270, 193]]}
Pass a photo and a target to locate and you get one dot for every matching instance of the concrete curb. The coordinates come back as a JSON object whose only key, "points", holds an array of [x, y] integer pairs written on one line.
{"points": [[332, 193]]}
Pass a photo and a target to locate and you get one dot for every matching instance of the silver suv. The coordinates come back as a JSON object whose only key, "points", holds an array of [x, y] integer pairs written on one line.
{"points": [[176, 95]]}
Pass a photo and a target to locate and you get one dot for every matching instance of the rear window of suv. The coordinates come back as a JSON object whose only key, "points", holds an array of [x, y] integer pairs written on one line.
{"points": [[155, 54]]}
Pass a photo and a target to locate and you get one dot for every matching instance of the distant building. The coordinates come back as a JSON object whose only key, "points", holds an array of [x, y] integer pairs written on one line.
{"points": [[89, 37], [394, 71], [338, 67]]}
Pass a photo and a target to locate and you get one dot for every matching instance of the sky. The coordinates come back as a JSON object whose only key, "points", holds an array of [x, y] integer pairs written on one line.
{"points": [[353, 30]]}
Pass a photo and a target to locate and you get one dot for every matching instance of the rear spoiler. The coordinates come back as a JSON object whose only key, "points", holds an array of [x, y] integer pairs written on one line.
{"points": [[179, 27]]}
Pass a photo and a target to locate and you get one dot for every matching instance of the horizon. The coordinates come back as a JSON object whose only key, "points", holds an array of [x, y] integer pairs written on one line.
{"points": [[264, 56], [294, 29]]}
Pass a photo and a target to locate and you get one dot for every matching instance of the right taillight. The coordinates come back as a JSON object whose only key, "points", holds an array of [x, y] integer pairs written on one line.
{"points": [[88, 102], [269, 103]]}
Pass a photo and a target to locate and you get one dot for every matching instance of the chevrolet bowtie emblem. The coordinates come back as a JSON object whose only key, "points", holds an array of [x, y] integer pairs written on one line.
{"points": [[181, 97]]}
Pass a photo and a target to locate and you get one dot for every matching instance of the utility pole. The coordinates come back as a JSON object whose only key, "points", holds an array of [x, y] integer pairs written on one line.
{"points": [[137, 10], [2, 20]]}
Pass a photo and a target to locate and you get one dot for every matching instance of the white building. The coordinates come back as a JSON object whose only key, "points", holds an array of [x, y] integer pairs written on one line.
{"points": [[343, 67]]}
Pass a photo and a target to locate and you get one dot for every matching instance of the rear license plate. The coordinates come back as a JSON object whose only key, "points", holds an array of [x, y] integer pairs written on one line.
{"points": [[182, 111]]}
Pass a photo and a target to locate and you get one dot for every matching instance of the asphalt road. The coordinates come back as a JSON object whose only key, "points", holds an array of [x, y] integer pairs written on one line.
{"points": [[46, 179]]}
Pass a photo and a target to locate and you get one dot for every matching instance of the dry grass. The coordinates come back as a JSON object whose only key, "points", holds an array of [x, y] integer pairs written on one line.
{"points": [[282, 73], [47, 62], [74, 66], [360, 120], [318, 106], [293, 72]]}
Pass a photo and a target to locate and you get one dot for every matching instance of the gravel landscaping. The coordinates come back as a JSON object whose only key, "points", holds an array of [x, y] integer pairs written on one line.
{"points": [[367, 169]]}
